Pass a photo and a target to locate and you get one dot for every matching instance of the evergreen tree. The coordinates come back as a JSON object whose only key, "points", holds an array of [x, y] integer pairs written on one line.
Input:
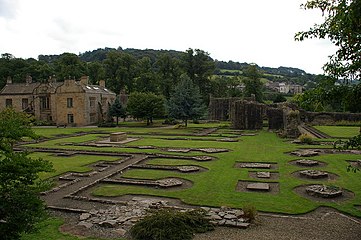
{"points": [[117, 110], [186, 102]]}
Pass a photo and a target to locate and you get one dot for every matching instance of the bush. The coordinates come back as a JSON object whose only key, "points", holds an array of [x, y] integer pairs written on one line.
{"points": [[250, 212], [171, 225], [352, 143], [306, 138], [170, 121]]}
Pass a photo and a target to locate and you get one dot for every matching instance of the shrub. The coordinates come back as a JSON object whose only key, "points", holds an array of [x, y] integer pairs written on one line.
{"points": [[353, 143], [250, 212], [170, 224], [170, 121], [305, 138]]}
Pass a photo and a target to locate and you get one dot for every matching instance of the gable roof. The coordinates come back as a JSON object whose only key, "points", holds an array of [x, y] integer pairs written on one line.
{"points": [[19, 88]]}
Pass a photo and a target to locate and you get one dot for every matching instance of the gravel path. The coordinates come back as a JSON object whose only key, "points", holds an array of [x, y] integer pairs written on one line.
{"points": [[324, 223]]}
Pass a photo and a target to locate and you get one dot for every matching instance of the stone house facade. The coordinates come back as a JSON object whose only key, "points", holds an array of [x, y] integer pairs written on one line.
{"points": [[73, 103]]}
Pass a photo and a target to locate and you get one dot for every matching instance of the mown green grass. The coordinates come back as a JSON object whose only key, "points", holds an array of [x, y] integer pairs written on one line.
{"points": [[339, 131], [76, 163], [217, 185], [49, 230]]}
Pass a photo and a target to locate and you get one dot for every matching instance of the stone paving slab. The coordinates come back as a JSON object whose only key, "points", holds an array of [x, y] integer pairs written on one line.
{"points": [[258, 186]]}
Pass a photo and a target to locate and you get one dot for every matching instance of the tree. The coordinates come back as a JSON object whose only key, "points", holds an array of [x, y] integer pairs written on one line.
{"points": [[20, 206], [96, 72], [252, 82], [117, 110], [68, 65], [146, 80], [146, 106], [186, 102], [119, 71], [168, 70], [199, 67], [342, 25]]}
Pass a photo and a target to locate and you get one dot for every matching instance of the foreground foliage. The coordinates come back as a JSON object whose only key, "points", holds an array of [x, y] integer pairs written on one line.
{"points": [[342, 25], [20, 206], [170, 224]]}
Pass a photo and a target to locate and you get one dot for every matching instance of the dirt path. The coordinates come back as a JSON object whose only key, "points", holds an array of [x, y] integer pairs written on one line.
{"points": [[59, 198], [322, 224]]}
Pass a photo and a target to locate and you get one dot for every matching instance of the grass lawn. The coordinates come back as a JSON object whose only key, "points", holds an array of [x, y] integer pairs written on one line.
{"points": [[339, 131], [49, 230], [76, 163], [217, 185]]}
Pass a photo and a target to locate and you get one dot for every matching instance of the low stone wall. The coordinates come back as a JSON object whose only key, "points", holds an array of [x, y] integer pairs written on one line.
{"points": [[327, 117]]}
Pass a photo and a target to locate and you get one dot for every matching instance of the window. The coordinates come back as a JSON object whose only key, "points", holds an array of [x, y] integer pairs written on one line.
{"points": [[69, 102], [9, 102], [92, 117], [70, 118], [92, 102], [24, 103], [44, 103], [104, 101]]}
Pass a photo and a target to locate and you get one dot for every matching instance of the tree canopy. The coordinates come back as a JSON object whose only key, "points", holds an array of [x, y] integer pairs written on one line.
{"points": [[186, 102], [253, 84], [342, 25], [20, 206], [145, 106], [117, 110]]}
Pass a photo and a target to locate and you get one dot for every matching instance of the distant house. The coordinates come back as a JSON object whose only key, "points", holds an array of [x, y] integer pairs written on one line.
{"points": [[285, 87], [74, 103]]}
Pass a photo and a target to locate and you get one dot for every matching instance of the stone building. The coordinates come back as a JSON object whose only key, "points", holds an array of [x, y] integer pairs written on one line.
{"points": [[73, 103]]}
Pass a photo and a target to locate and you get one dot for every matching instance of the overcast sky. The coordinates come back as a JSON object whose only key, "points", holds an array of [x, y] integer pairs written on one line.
{"points": [[253, 31]]}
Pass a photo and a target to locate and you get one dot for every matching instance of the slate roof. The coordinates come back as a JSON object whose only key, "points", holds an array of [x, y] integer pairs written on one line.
{"points": [[19, 88], [96, 89], [28, 88]]}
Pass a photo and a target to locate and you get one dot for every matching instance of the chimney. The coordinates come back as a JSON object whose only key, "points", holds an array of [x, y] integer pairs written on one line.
{"points": [[102, 83], [84, 80], [9, 80], [28, 79]]}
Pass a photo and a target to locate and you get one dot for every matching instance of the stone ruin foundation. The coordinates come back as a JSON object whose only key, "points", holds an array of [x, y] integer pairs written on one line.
{"points": [[118, 137], [323, 191], [220, 108], [313, 174], [262, 187], [256, 165], [120, 219], [307, 162], [275, 118]]}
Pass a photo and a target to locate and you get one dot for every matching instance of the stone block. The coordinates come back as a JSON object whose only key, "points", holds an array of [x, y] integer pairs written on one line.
{"points": [[118, 137], [258, 186]]}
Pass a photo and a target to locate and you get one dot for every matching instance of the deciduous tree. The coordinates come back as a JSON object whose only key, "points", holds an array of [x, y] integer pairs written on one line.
{"points": [[20, 206], [146, 106], [342, 25]]}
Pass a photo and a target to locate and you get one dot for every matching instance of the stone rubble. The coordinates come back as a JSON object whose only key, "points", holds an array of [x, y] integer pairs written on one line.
{"points": [[120, 219], [323, 191], [305, 153], [307, 162], [313, 173]]}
